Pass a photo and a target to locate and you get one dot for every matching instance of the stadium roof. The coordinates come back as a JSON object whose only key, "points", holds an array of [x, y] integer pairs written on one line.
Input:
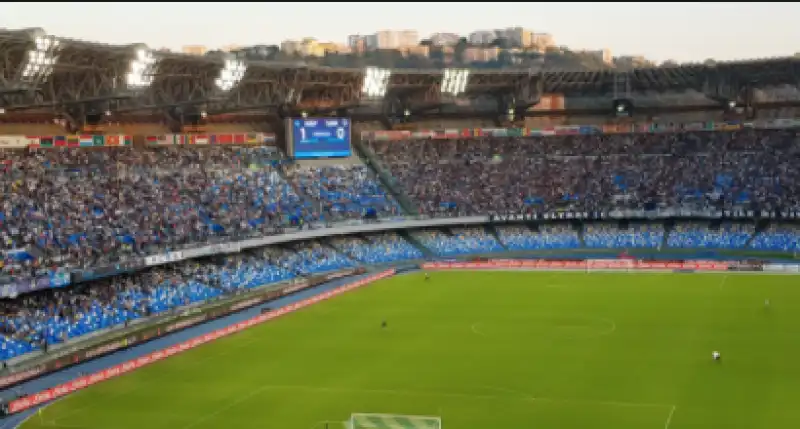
{"points": [[133, 77]]}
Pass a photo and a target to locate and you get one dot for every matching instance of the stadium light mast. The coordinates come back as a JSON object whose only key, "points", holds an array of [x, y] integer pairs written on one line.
{"points": [[231, 74], [40, 59], [454, 82], [374, 89], [622, 105], [141, 69], [376, 83]]}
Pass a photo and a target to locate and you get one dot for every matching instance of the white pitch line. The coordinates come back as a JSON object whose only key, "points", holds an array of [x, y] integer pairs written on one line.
{"points": [[512, 391], [133, 389], [722, 283], [522, 397], [529, 397], [42, 408], [475, 330], [221, 410], [613, 326], [669, 417]]}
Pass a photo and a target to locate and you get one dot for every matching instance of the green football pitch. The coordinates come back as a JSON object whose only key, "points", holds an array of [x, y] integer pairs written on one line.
{"points": [[486, 350]]}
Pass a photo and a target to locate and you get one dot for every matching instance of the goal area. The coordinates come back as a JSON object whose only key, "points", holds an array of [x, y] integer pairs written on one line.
{"points": [[392, 421]]}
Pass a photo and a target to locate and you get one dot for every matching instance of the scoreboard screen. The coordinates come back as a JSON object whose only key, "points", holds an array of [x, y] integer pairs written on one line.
{"points": [[319, 137]]}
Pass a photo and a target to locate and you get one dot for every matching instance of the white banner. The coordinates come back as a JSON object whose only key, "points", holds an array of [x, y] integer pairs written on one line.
{"points": [[782, 268], [163, 259], [13, 142]]}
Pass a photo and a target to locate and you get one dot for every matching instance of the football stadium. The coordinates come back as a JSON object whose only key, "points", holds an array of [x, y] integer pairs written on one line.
{"points": [[217, 241]]}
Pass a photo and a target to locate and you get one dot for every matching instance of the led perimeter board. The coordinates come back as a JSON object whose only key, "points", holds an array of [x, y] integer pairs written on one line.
{"points": [[311, 138]]}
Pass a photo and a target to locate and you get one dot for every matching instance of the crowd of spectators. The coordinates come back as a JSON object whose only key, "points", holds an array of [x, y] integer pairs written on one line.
{"points": [[598, 172], [79, 208], [780, 237], [378, 249], [50, 317], [605, 235], [548, 237], [56, 315], [82, 207], [349, 191], [461, 241], [701, 236]]}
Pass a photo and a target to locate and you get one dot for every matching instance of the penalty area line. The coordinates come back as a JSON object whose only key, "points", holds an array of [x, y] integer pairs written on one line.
{"points": [[527, 396], [519, 396], [669, 417]]}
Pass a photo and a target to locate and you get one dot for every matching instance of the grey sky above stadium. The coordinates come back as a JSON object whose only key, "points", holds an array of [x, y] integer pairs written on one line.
{"points": [[660, 31]]}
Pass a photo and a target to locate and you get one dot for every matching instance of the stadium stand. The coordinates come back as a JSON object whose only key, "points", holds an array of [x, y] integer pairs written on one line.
{"points": [[68, 203], [378, 249], [80, 208], [610, 236], [548, 237], [695, 235], [56, 315], [780, 237], [76, 208], [462, 242], [596, 172], [350, 191], [72, 208]]}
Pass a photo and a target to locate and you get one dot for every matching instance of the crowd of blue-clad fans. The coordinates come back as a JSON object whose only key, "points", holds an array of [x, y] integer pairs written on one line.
{"points": [[57, 315], [598, 172], [79, 208], [638, 236]]}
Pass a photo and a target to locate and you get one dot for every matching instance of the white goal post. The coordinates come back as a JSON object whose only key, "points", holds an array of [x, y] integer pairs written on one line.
{"points": [[392, 421]]}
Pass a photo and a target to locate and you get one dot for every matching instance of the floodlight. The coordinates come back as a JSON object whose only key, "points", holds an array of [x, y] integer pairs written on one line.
{"points": [[454, 81], [41, 58], [140, 72], [376, 82], [231, 74], [45, 43], [623, 107]]}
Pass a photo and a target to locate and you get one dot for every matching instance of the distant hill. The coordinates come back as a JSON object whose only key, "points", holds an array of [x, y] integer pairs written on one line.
{"points": [[553, 59]]}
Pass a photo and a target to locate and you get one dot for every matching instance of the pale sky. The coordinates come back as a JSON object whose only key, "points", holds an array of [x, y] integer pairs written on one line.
{"points": [[660, 31]]}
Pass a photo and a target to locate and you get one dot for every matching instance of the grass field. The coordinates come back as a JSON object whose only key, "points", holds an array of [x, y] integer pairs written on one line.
{"points": [[499, 350]]}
